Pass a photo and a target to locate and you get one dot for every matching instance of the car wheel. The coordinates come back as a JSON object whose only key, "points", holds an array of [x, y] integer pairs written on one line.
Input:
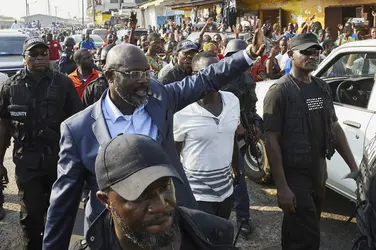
{"points": [[252, 169]]}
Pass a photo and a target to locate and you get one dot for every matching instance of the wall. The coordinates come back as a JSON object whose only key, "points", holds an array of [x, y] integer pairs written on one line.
{"points": [[298, 11], [151, 13]]}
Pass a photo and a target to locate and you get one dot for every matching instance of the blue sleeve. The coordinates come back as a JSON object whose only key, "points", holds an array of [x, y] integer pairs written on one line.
{"points": [[65, 194], [288, 66], [211, 79]]}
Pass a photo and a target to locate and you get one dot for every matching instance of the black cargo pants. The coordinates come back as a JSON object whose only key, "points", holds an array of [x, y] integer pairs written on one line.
{"points": [[301, 230], [34, 183]]}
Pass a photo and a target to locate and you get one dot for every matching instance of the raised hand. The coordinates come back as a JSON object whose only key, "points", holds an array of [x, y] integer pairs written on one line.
{"points": [[257, 48]]}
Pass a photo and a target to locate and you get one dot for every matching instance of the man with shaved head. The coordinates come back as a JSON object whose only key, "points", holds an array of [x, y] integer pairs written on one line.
{"points": [[134, 103]]}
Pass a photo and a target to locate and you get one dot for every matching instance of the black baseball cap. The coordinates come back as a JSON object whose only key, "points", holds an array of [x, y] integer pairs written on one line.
{"points": [[304, 41], [186, 45], [32, 42], [129, 163]]}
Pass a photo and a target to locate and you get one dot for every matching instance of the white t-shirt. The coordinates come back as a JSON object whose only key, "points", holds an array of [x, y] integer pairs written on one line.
{"points": [[208, 147], [284, 59]]}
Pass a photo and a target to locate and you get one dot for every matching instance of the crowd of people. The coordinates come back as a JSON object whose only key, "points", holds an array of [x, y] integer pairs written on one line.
{"points": [[150, 128]]}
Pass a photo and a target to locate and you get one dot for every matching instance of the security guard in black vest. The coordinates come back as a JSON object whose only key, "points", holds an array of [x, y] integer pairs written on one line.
{"points": [[95, 89], [301, 131], [33, 103]]}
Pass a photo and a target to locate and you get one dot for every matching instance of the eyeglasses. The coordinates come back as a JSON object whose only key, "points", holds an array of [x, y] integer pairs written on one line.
{"points": [[310, 52], [36, 54], [136, 75]]}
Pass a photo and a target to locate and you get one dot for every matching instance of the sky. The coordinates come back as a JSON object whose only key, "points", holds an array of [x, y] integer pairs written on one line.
{"points": [[17, 9]]}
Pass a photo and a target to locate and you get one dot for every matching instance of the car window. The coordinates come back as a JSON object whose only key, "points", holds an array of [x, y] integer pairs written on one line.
{"points": [[97, 39], [351, 65], [11, 45], [351, 78]]}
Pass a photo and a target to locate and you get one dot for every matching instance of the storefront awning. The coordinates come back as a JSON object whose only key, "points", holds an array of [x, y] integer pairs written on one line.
{"points": [[192, 4]]}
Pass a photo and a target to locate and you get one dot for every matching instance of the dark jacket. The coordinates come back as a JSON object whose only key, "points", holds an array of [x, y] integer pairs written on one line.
{"points": [[175, 74], [205, 230], [83, 134], [66, 63], [94, 90]]}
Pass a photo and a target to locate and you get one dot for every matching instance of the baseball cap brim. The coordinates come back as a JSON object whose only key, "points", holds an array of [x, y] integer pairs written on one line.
{"points": [[305, 46], [36, 45], [132, 187], [188, 49]]}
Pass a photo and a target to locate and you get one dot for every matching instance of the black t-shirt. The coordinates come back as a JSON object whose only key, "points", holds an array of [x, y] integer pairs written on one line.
{"points": [[313, 97], [275, 112]]}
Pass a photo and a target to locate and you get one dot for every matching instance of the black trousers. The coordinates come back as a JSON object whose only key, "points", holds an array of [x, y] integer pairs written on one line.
{"points": [[301, 230], [34, 197], [220, 209]]}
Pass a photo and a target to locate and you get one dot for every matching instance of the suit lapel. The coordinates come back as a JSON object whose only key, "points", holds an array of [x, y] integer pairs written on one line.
{"points": [[158, 116], [99, 126]]}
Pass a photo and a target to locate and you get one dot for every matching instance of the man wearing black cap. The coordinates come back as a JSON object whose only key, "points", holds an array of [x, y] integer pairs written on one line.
{"points": [[186, 51], [33, 103], [301, 131], [134, 176]]}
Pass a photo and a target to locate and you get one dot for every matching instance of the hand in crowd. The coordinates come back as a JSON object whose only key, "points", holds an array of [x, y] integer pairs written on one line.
{"points": [[257, 48], [373, 13], [286, 200]]}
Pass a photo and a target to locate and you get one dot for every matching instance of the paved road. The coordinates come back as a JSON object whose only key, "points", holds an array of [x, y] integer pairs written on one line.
{"points": [[266, 216]]}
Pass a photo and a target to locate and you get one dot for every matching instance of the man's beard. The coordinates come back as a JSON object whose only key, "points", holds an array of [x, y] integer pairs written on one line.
{"points": [[131, 99], [147, 240]]}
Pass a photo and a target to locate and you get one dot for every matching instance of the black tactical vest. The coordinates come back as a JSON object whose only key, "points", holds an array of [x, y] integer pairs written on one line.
{"points": [[296, 140], [35, 117]]}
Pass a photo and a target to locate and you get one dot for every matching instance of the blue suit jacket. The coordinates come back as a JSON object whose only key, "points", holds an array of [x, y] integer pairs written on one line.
{"points": [[83, 133]]}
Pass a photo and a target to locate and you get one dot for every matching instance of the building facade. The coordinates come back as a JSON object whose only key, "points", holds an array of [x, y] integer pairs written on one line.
{"points": [[46, 20], [329, 13]]}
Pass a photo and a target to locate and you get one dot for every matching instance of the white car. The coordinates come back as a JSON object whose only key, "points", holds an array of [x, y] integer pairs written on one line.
{"points": [[350, 71]]}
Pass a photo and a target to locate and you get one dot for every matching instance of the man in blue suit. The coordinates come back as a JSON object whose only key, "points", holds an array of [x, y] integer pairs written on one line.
{"points": [[134, 103]]}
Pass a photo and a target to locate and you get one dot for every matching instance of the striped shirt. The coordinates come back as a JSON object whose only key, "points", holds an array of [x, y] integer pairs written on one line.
{"points": [[208, 146]]}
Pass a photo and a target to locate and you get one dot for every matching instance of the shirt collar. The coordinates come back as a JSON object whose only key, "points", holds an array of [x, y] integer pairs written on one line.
{"points": [[113, 113]]}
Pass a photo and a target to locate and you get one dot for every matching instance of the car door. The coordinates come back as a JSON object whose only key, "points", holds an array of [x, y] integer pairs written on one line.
{"points": [[355, 123]]}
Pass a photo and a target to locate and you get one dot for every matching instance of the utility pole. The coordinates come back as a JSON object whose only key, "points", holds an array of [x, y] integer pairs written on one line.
{"points": [[26, 5], [49, 7], [120, 1], [94, 12], [83, 12], [55, 11]]}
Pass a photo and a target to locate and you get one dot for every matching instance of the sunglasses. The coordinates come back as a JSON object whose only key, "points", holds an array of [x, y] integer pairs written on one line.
{"points": [[136, 75], [36, 54], [310, 52]]}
